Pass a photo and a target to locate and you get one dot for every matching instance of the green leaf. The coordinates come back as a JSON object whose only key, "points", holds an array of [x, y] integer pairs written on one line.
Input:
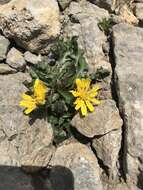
{"points": [[68, 97], [100, 74]]}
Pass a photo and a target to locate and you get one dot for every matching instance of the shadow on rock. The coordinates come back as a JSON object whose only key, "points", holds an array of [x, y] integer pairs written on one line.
{"points": [[54, 178]]}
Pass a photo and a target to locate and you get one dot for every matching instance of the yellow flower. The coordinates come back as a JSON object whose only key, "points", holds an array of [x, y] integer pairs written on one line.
{"points": [[85, 96], [38, 98]]}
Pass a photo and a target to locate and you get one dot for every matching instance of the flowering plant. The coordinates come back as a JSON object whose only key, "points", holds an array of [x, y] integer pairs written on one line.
{"points": [[61, 85]]}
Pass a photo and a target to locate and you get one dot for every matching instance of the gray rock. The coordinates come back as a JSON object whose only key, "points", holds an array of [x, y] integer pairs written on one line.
{"points": [[32, 58], [23, 141], [4, 1], [139, 11], [4, 44], [120, 7], [6, 69], [120, 186], [15, 59], [128, 50], [83, 166], [107, 4], [107, 149], [13, 178], [103, 120], [91, 38], [32, 24]]}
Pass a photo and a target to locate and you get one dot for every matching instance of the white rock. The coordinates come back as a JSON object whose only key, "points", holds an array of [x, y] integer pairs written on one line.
{"points": [[83, 165], [128, 51], [4, 44], [32, 24], [15, 59]]}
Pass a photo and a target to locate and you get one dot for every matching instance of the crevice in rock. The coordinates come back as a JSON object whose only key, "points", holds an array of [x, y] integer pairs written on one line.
{"points": [[103, 5], [101, 163], [114, 87]]}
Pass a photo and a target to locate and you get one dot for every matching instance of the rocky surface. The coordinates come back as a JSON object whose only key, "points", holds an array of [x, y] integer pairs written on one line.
{"points": [[105, 150], [120, 7], [83, 164], [6, 69], [32, 58], [15, 59], [128, 50], [139, 10], [84, 19], [32, 24], [4, 1], [23, 142], [103, 120], [4, 44]]}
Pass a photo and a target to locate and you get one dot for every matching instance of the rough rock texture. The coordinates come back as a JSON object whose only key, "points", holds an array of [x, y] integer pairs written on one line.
{"points": [[4, 44], [13, 178], [120, 7], [23, 142], [32, 24], [128, 50], [107, 4], [15, 59], [4, 1], [32, 58], [6, 69], [103, 120], [107, 148], [83, 165], [84, 18], [139, 11]]}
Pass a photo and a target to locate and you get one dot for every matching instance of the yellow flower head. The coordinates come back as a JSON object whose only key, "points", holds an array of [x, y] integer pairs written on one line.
{"points": [[85, 95], [38, 97]]}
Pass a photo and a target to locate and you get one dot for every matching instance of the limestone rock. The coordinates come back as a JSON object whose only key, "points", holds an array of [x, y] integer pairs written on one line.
{"points": [[84, 24], [128, 50], [107, 4], [107, 149], [4, 44], [120, 7], [139, 11], [81, 162], [15, 59], [23, 141], [32, 24], [32, 58], [103, 120], [6, 69], [33, 145], [4, 1]]}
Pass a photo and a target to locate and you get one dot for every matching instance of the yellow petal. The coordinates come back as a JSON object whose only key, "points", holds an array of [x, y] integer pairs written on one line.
{"points": [[94, 91], [86, 83], [74, 93], [39, 91], [79, 84], [25, 103], [26, 97], [95, 101], [29, 110], [83, 110], [77, 100], [79, 104], [90, 106]]}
